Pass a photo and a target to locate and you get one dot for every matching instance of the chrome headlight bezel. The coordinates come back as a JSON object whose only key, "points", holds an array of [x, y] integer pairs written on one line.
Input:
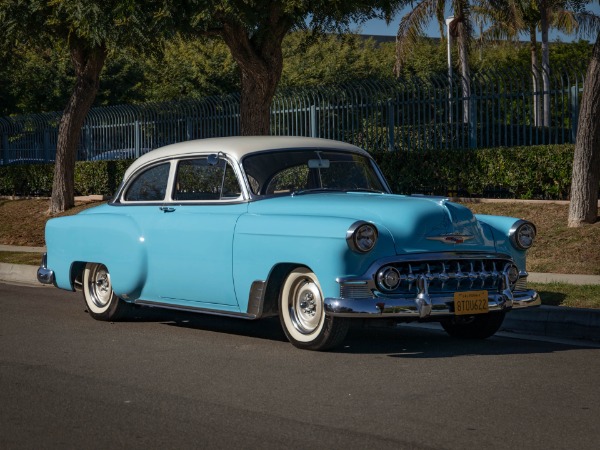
{"points": [[362, 236], [522, 234]]}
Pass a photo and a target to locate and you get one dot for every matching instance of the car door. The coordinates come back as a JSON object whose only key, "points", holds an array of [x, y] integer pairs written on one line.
{"points": [[196, 229], [189, 235]]}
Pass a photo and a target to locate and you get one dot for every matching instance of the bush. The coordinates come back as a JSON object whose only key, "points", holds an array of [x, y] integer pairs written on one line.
{"points": [[98, 177], [537, 172]]}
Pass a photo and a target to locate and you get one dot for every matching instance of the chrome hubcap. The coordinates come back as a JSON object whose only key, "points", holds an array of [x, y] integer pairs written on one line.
{"points": [[306, 307], [100, 287]]}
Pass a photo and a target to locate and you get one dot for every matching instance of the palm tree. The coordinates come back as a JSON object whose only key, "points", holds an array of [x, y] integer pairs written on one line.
{"points": [[411, 28], [510, 18]]}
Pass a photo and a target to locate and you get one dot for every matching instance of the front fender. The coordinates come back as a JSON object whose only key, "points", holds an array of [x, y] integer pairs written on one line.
{"points": [[113, 240], [262, 242], [500, 226]]}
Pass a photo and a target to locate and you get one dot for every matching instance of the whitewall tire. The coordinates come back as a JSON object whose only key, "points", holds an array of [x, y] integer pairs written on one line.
{"points": [[101, 301], [302, 313]]}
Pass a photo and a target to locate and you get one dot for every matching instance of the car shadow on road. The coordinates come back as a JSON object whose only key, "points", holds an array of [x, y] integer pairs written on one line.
{"points": [[268, 328], [404, 341], [418, 342]]}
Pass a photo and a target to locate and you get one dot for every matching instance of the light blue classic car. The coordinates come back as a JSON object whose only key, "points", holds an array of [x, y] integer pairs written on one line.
{"points": [[303, 228]]}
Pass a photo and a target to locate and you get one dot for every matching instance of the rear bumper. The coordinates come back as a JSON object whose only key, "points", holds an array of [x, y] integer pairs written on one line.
{"points": [[45, 275], [430, 307]]}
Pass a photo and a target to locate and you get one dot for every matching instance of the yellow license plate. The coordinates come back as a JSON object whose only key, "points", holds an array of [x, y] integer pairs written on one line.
{"points": [[471, 302]]}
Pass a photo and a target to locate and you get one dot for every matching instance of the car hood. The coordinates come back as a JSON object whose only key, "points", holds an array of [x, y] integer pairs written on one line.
{"points": [[416, 224]]}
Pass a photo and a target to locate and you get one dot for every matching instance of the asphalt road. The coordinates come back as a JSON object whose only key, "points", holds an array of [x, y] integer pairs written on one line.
{"points": [[166, 380]]}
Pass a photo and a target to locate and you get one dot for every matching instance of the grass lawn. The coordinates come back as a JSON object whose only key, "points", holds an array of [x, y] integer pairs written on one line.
{"points": [[33, 259], [562, 294]]}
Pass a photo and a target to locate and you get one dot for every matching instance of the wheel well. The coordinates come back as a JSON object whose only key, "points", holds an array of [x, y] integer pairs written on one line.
{"points": [[274, 282], [77, 274]]}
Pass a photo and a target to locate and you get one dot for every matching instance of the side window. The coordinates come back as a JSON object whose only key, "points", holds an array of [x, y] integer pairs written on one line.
{"points": [[196, 179], [150, 185]]}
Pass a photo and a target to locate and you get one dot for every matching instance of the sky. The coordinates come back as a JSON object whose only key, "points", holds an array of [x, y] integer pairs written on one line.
{"points": [[379, 27]]}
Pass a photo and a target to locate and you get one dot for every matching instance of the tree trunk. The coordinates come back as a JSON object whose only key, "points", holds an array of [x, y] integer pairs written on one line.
{"points": [[586, 161], [545, 62], [88, 65], [258, 89], [261, 63]]}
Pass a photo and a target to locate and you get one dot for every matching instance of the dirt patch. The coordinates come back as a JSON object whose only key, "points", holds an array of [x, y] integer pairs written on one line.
{"points": [[22, 222], [558, 248]]}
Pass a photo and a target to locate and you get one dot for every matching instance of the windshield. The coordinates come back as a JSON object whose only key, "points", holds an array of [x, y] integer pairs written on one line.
{"points": [[303, 171]]}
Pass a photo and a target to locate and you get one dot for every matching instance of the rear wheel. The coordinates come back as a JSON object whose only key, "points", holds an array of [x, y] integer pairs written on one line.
{"points": [[302, 313], [475, 327], [101, 301]]}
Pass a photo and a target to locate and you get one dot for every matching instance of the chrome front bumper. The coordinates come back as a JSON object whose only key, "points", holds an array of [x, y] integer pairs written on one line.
{"points": [[45, 275], [422, 307]]}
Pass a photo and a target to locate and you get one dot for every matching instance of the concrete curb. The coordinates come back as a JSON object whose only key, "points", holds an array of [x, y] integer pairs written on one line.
{"points": [[548, 321], [555, 321], [563, 278], [19, 273]]}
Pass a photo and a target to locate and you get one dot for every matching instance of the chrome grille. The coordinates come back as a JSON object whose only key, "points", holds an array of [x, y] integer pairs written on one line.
{"points": [[448, 275]]}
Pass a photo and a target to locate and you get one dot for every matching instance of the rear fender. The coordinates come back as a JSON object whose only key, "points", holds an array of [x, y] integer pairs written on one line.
{"points": [[113, 240]]}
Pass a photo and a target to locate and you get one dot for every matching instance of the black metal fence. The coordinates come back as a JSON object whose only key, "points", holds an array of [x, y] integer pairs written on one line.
{"points": [[500, 109]]}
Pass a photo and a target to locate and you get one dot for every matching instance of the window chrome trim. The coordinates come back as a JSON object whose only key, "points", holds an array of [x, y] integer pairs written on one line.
{"points": [[119, 200]]}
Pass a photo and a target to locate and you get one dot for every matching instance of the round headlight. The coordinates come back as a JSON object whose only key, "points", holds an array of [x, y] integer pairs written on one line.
{"points": [[522, 234], [361, 237]]}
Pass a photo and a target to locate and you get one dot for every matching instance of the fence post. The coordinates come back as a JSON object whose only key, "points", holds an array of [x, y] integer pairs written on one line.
{"points": [[188, 128], [46, 145], [313, 121], [86, 143], [472, 122], [5, 146], [136, 138], [574, 112], [391, 121]]}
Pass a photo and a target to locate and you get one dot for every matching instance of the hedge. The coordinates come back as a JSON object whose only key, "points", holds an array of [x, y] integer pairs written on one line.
{"points": [[537, 172], [98, 177]]}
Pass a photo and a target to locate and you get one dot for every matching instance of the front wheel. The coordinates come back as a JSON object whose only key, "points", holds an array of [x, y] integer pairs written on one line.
{"points": [[476, 327], [302, 313], [101, 301]]}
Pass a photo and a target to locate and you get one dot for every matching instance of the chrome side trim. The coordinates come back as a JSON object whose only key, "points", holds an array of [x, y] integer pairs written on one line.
{"points": [[45, 275], [422, 307], [194, 309]]}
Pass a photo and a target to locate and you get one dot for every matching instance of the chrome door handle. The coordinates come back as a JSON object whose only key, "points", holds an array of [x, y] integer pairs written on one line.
{"points": [[167, 209]]}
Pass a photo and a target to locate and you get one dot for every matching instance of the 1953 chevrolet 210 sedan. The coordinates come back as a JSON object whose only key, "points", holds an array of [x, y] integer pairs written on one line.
{"points": [[303, 228]]}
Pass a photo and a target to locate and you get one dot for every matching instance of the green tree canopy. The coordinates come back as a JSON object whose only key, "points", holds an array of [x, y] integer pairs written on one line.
{"points": [[254, 32], [88, 29]]}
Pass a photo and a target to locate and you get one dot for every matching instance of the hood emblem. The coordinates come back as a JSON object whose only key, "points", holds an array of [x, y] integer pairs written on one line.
{"points": [[451, 238]]}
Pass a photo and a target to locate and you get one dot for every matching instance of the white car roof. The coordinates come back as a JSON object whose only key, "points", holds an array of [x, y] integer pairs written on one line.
{"points": [[237, 147]]}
